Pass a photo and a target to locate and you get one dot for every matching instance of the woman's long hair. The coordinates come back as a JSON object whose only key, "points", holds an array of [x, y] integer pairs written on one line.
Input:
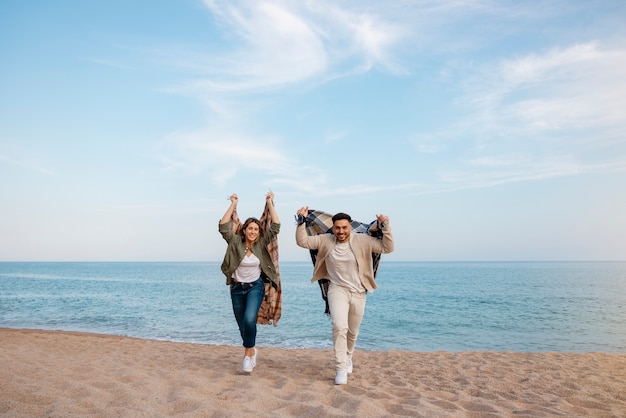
{"points": [[248, 221]]}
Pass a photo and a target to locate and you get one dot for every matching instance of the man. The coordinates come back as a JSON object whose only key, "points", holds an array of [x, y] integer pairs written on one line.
{"points": [[345, 259]]}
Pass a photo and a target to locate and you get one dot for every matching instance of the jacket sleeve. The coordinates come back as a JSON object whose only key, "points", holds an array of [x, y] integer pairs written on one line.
{"points": [[271, 233], [226, 230], [384, 245], [305, 241]]}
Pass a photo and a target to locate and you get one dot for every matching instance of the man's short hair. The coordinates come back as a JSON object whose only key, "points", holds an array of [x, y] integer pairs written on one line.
{"points": [[339, 216]]}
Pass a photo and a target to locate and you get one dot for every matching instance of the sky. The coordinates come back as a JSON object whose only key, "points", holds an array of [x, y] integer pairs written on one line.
{"points": [[487, 130]]}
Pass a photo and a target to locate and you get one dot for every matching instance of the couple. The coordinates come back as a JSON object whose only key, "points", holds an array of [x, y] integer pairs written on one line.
{"points": [[344, 258]]}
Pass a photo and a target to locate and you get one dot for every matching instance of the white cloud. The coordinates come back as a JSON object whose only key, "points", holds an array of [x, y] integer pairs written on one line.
{"points": [[582, 86], [558, 63], [195, 152], [543, 115], [361, 35], [224, 155], [287, 42], [279, 48]]}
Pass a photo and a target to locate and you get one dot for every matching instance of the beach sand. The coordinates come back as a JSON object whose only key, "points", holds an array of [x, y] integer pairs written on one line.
{"points": [[65, 374]]}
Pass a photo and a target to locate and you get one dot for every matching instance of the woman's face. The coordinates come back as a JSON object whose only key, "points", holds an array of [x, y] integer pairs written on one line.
{"points": [[251, 232]]}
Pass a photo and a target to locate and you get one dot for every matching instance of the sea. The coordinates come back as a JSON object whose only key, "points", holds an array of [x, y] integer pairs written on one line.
{"points": [[419, 306]]}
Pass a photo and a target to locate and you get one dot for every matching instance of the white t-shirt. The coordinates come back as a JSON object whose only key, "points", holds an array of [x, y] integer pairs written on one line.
{"points": [[249, 269], [343, 269]]}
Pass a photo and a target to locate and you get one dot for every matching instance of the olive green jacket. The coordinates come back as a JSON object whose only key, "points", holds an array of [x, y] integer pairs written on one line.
{"points": [[236, 251]]}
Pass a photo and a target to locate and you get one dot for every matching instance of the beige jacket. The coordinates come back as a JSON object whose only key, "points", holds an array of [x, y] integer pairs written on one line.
{"points": [[362, 246]]}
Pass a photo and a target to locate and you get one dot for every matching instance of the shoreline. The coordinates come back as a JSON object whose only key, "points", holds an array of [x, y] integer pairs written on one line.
{"points": [[59, 373]]}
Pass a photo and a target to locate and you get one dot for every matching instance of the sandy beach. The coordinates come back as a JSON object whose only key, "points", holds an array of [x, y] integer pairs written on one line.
{"points": [[64, 374]]}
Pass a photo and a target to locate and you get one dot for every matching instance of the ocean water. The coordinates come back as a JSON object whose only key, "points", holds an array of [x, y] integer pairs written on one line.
{"points": [[419, 306]]}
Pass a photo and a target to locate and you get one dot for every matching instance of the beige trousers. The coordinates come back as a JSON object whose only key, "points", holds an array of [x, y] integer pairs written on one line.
{"points": [[346, 311]]}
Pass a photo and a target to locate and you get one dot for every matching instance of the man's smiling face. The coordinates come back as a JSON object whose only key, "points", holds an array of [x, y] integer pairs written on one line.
{"points": [[342, 229]]}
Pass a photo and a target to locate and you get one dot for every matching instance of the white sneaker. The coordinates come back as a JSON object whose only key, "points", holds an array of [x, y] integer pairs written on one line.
{"points": [[349, 363], [248, 364], [342, 377]]}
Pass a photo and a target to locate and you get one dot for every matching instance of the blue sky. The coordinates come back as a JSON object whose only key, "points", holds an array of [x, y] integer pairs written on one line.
{"points": [[486, 130]]}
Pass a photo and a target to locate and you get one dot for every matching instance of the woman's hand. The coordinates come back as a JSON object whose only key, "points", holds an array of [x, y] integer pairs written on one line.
{"points": [[269, 201], [231, 209], [304, 211]]}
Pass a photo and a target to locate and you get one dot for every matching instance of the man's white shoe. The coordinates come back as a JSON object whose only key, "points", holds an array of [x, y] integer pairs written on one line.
{"points": [[349, 362], [342, 377], [248, 365]]}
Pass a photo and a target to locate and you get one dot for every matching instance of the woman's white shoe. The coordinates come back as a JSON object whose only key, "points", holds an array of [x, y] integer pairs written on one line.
{"points": [[249, 362]]}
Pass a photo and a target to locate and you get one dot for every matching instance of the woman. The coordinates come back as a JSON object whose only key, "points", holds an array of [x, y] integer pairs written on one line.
{"points": [[247, 264]]}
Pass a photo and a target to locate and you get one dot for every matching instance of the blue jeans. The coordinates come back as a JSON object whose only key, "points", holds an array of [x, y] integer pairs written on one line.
{"points": [[247, 298]]}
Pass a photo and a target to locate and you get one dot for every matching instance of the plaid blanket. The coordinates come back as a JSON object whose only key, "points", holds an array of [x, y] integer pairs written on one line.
{"points": [[271, 306], [318, 222]]}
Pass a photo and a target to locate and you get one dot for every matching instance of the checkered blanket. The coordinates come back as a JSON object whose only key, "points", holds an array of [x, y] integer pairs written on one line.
{"points": [[318, 222], [271, 307]]}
